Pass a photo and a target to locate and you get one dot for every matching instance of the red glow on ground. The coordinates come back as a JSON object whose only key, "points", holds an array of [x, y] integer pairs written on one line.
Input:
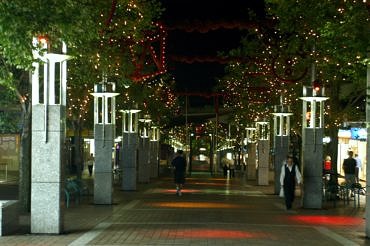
{"points": [[208, 233], [327, 220], [193, 205]]}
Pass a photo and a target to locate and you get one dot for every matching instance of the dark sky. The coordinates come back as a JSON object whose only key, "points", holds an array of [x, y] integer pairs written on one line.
{"points": [[209, 19]]}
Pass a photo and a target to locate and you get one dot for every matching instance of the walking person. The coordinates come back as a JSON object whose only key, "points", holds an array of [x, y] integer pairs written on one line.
{"points": [[358, 168], [289, 176], [179, 164], [349, 168], [90, 163]]}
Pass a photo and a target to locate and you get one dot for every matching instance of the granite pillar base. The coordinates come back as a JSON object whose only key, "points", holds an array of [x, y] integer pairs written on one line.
{"points": [[143, 165], [280, 153], [251, 162], [263, 162], [47, 172], [103, 189], [129, 160], [103, 182], [154, 147], [312, 168], [46, 209]]}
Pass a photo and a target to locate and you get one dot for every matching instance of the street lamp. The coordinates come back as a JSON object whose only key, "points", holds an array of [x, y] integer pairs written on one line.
{"points": [[281, 135], [104, 102], [104, 135], [154, 133], [144, 150], [48, 123], [130, 120], [145, 129], [154, 151], [262, 130], [282, 120], [263, 151], [250, 135], [128, 162], [313, 99], [312, 145]]}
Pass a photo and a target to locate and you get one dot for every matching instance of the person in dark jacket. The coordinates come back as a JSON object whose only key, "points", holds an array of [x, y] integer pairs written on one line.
{"points": [[179, 164], [349, 168], [289, 176]]}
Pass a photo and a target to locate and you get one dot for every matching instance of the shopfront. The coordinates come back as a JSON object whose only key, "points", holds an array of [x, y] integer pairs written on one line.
{"points": [[353, 139]]}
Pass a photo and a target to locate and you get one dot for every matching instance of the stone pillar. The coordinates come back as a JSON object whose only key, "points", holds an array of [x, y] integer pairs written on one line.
{"points": [[144, 153], [154, 151], [48, 138], [280, 153], [103, 182], [129, 161], [263, 161], [250, 137], [312, 168], [154, 158], [47, 179], [263, 135], [129, 151], [251, 162], [281, 133], [312, 149], [104, 134]]}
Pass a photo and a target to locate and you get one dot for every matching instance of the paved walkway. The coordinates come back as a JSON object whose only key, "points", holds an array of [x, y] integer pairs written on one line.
{"points": [[211, 211]]}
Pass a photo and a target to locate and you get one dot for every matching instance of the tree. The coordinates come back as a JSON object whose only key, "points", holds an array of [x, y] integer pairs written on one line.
{"points": [[330, 34], [94, 31], [334, 36]]}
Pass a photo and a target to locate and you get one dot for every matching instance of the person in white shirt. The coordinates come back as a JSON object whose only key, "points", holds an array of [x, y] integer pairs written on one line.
{"points": [[289, 176], [358, 167]]}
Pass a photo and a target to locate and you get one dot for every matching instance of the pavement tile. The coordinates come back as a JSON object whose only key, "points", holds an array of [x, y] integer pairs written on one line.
{"points": [[212, 211]]}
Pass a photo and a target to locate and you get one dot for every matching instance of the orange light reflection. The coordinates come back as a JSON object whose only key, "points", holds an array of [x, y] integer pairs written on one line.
{"points": [[327, 220], [207, 233], [193, 205]]}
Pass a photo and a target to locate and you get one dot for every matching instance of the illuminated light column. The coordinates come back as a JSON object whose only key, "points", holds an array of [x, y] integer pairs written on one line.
{"points": [[104, 135], [251, 150], [312, 149], [144, 151], [129, 148], [281, 140], [154, 151], [48, 137], [263, 135]]}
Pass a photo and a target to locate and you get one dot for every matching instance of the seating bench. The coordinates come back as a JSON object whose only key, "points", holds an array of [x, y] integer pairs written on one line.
{"points": [[9, 216], [74, 189]]}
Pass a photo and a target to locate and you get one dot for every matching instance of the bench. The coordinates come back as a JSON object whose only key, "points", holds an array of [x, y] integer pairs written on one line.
{"points": [[356, 189], [9, 216], [74, 189], [71, 191]]}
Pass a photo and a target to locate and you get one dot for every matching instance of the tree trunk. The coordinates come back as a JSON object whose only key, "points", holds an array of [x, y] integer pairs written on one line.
{"points": [[78, 148], [332, 147], [25, 161]]}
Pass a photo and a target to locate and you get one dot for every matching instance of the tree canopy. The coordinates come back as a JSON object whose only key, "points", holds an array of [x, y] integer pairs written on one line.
{"points": [[331, 34], [102, 36]]}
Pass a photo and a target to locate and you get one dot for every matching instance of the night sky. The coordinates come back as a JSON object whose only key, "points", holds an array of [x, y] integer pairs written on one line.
{"points": [[196, 31]]}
